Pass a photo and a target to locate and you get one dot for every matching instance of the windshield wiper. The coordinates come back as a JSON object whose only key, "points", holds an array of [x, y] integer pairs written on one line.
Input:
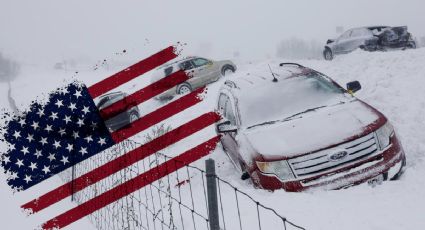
{"points": [[294, 115]]}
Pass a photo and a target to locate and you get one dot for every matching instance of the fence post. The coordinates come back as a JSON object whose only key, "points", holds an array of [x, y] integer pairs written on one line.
{"points": [[212, 195]]}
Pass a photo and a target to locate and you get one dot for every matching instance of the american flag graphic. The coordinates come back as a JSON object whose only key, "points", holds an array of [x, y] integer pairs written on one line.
{"points": [[70, 128]]}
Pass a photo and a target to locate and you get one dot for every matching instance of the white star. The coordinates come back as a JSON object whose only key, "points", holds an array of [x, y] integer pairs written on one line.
{"points": [[62, 131], [75, 135], [33, 166], [67, 119], [93, 125], [38, 153], [24, 150], [22, 122], [46, 169], [6, 159], [83, 151], [34, 125], [30, 138], [57, 144], [54, 116], [12, 147], [77, 94], [51, 157], [88, 139], [48, 128], [17, 134], [40, 112], [64, 90], [70, 147], [43, 141], [85, 110], [72, 106], [19, 163], [64, 160], [27, 179], [102, 141], [13, 176], [80, 122], [59, 103]]}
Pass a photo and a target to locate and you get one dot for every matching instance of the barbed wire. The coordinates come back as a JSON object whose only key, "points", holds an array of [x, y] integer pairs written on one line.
{"points": [[170, 202]]}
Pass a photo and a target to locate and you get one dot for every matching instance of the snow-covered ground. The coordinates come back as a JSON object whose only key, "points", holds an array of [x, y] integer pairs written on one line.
{"points": [[392, 82]]}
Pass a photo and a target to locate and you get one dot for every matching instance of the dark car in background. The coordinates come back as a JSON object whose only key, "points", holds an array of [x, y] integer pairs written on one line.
{"points": [[297, 129], [374, 38], [126, 117]]}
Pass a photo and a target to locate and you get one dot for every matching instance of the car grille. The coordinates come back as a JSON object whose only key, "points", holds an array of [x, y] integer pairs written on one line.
{"points": [[334, 158]]}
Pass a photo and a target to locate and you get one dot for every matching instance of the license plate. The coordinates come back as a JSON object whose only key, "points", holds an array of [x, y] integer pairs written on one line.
{"points": [[376, 180]]}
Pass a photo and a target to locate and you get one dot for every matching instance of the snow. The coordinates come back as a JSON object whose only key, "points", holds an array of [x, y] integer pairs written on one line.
{"points": [[304, 134], [392, 82]]}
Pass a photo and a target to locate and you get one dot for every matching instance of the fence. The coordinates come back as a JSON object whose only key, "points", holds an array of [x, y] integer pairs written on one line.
{"points": [[180, 200]]}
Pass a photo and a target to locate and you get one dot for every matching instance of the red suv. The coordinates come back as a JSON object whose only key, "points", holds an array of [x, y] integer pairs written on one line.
{"points": [[295, 128]]}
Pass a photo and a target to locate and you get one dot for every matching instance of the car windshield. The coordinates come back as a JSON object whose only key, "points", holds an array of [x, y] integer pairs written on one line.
{"points": [[289, 97], [109, 100]]}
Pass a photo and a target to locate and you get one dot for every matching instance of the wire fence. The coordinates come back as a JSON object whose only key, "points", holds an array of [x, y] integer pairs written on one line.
{"points": [[177, 201]]}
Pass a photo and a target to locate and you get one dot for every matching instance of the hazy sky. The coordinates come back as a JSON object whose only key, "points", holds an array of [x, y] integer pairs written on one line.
{"points": [[53, 29]]}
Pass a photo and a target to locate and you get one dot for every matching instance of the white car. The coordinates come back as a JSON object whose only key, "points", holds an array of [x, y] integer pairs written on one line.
{"points": [[202, 71]]}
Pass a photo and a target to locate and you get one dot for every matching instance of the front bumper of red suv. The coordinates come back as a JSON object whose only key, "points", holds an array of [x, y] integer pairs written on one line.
{"points": [[387, 163]]}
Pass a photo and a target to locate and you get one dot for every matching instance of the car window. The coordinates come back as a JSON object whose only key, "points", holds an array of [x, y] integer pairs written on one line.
{"points": [[360, 32], [200, 62], [346, 35], [109, 100], [168, 70], [186, 65]]}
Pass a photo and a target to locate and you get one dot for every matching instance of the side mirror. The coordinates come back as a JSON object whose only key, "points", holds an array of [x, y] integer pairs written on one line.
{"points": [[353, 86], [226, 127]]}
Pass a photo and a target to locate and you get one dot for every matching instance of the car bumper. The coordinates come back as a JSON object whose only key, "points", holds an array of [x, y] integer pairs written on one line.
{"points": [[389, 163]]}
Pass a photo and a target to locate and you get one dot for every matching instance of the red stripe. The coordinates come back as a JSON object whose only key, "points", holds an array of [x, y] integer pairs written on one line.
{"points": [[144, 94], [122, 162], [132, 72], [132, 185], [158, 115]]}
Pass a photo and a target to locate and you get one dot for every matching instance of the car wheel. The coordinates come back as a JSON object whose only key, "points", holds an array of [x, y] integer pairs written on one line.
{"points": [[327, 54], [133, 117], [412, 45], [227, 69], [184, 89]]}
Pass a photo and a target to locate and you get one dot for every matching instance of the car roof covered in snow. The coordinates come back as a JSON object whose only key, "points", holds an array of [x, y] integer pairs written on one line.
{"points": [[264, 75]]}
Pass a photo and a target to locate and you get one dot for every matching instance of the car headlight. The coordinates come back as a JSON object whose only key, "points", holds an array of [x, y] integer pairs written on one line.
{"points": [[278, 168], [384, 133]]}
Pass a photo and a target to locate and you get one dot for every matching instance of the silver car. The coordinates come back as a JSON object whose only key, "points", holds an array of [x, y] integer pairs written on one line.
{"points": [[374, 38], [202, 71]]}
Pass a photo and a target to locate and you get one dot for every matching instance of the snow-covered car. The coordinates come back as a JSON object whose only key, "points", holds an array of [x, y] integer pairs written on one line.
{"points": [[375, 38], [123, 118], [202, 71], [297, 129]]}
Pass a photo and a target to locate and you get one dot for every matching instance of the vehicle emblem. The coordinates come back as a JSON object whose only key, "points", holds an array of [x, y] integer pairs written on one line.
{"points": [[338, 156]]}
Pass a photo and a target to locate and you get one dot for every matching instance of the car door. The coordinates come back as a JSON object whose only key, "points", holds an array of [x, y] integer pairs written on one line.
{"points": [[342, 42], [189, 68], [228, 140], [358, 37], [204, 68]]}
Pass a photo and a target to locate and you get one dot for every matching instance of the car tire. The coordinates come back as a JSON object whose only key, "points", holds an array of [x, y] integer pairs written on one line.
{"points": [[227, 69], [402, 169], [411, 45], [134, 116], [184, 88], [327, 54]]}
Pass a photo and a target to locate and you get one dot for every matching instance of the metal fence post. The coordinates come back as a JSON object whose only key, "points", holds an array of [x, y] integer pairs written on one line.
{"points": [[212, 195]]}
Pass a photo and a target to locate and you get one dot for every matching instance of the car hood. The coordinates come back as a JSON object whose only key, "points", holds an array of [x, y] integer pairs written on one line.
{"points": [[311, 131]]}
